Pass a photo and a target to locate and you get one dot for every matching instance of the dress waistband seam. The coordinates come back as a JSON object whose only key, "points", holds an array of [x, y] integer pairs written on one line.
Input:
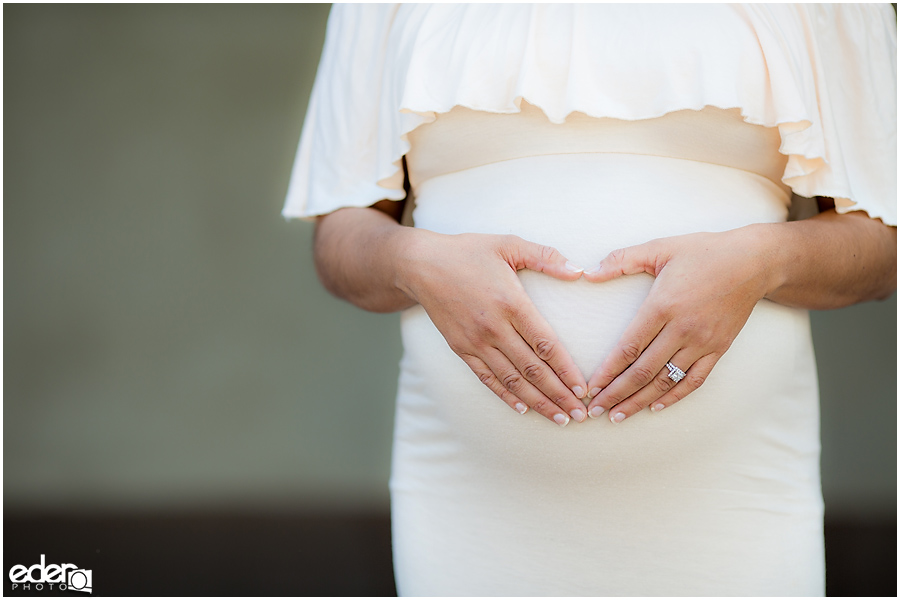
{"points": [[783, 188]]}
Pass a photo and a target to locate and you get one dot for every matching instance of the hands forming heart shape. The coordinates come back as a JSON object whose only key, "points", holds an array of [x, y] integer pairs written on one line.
{"points": [[706, 287]]}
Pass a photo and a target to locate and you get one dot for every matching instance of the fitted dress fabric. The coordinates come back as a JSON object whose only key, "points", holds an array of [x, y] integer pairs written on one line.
{"points": [[716, 495], [591, 128]]}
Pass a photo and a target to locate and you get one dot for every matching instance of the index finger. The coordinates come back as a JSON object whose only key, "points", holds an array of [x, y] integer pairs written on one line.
{"points": [[642, 330], [537, 333]]}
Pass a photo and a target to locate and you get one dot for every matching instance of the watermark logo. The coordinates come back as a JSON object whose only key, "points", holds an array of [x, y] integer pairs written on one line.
{"points": [[65, 576]]}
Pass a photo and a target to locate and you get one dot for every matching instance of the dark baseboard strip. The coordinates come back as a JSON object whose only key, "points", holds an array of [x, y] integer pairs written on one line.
{"points": [[309, 554]]}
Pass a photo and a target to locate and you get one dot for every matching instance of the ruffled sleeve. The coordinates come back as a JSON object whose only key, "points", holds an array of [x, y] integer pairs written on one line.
{"points": [[824, 75], [841, 60], [336, 164]]}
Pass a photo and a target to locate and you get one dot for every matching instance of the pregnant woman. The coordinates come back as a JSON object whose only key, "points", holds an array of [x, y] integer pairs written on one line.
{"points": [[600, 200]]}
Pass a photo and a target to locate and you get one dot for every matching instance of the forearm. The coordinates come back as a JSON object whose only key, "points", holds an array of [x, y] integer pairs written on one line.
{"points": [[829, 260], [356, 253]]}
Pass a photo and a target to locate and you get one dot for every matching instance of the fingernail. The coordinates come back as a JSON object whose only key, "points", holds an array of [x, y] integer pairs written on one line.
{"points": [[578, 415], [597, 411], [618, 417], [572, 268], [521, 408], [594, 392], [657, 407], [578, 391], [595, 270], [561, 419]]}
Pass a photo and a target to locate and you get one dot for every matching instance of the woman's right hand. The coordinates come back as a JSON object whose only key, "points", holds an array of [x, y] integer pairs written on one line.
{"points": [[467, 284]]}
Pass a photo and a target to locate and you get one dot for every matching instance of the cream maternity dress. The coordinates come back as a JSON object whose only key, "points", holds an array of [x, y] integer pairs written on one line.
{"points": [[590, 128]]}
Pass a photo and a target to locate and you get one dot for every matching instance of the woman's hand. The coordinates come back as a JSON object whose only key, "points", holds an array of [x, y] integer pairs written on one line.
{"points": [[467, 284], [706, 287]]}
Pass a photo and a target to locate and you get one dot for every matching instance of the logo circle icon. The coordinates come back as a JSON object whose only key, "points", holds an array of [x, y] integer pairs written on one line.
{"points": [[78, 580]]}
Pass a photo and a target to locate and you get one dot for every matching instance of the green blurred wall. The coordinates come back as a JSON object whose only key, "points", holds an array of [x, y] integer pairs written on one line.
{"points": [[167, 344]]}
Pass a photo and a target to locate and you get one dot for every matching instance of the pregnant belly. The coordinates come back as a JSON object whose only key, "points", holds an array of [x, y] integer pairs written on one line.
{"points": [[760, 396]]}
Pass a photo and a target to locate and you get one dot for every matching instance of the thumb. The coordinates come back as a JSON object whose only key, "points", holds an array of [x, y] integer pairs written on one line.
{"points": [[522, 254], [626, 261]]}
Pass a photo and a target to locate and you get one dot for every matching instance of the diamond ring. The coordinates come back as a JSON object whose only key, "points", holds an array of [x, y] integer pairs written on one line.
{"points": [[675, 374]]}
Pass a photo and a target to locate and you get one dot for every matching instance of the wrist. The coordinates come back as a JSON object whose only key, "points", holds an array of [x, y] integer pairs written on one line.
{"points": [[410, 249], [766, 245]]}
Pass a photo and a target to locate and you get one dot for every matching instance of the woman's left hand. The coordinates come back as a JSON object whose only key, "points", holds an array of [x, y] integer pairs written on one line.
{"points": [[706, 287]]}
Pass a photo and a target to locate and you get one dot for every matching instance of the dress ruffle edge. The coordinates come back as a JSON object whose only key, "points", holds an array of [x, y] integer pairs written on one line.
{"points": [[788, 82]]}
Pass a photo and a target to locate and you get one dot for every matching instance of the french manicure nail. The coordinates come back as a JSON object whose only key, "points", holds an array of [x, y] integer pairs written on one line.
{"points": [[618, 417], [595, 270], [578, 415], [572, 268], [578, 391], [594, 392], [597, 411], [561, 419], [521, 408], [658, 407]]}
